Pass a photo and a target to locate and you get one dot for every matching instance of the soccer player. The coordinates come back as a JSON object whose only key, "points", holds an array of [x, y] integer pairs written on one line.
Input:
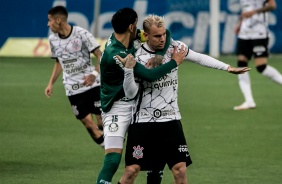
{"points": [[71, 47], [118, 108], [252, 30], [156, 137]]}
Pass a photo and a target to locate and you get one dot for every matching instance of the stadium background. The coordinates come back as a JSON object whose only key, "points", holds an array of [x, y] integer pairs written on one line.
{"points": [[187, 20]]}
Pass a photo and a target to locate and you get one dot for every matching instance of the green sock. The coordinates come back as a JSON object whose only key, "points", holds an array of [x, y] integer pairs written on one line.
{"points": [[111, 163]]}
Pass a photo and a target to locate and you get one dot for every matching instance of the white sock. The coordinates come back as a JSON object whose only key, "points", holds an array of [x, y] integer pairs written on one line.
{"points": [[273, 74], [245, 86]]}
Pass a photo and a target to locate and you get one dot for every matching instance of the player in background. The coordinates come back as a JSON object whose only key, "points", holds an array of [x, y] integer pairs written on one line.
{"points": [[118, 108], [252, 41], [71, 47], [156, 136]]}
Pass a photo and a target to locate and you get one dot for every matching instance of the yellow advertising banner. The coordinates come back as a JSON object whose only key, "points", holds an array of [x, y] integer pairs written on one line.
{"points": [[31, 47]]}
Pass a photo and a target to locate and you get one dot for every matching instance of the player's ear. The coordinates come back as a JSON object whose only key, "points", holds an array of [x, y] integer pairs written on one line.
{"points": [[131, 27]]}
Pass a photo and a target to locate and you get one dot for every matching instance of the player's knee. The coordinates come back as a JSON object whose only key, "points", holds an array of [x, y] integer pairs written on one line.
{"points": [[179, 170], [261, 68], [242, 63], [131, 171]]}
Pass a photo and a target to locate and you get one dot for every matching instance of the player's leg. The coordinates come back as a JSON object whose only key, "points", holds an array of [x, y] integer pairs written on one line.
{"points": [[177, 154], [179, 173], [261, 62], [138, 151], [116, 123], [244, 54], [82, 105], [155, 176], [97, 107], [93, 130], [129, 175], [99, 121]]}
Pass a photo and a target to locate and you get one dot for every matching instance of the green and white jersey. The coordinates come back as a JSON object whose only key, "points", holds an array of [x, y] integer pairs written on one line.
{"points": [[73, 54], [159, 98], [255, 27], [112, 73]]}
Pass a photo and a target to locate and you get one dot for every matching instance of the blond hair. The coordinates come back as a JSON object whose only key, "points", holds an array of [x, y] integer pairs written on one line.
{"points": [[153, 20]]}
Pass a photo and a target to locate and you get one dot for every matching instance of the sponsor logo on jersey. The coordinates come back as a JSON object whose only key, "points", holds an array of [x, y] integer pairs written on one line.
{"points": [[74, 70], [118, 62], [138, 152], [75, 86], [163, 84], [113, 127], [69, 61], [158, 113]]}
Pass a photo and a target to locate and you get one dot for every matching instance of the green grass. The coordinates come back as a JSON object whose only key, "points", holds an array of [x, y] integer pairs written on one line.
{"points": [[42, 142]]}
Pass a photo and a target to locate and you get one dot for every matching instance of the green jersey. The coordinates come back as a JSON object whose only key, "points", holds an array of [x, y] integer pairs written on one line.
{"points": [[112, 73]]}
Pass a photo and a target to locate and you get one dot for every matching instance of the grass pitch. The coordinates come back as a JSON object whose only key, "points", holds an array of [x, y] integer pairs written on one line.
{"points": [[42, 142]]}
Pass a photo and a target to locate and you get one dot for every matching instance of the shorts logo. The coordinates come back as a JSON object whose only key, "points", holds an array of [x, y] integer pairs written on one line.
{"points": [[183, 148], [113, 127], [138, 152], [157, 113], [74, 109]]}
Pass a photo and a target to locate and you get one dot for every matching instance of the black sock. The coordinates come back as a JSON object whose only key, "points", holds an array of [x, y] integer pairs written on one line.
{"points": [[154, 176], [99, 140]]}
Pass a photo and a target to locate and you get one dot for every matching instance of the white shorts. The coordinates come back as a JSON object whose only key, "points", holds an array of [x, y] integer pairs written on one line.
{"points": [[116, 122]]}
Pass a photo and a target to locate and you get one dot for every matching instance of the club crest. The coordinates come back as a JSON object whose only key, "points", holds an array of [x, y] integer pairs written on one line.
{"points": [[138, 152]]}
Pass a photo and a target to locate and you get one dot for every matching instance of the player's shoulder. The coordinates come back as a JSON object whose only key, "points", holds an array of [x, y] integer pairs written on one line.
{"points": [[53, 37], [178, 43]]}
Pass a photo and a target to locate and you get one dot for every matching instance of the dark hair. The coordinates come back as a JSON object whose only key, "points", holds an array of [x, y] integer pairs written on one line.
{"points": [[58, 10], [122, 19]]}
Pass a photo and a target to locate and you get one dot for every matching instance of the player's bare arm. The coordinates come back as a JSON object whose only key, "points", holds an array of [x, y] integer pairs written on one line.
{"points": [[55, 74]]}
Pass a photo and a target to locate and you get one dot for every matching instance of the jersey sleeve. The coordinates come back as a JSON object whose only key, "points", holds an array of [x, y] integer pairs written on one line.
{"points": [[90, 41], [53, 54], [153, 74]]}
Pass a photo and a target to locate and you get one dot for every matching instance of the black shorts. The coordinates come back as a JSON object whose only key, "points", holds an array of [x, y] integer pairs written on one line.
{"points": [[86, 103], [152, 145], [256, 48]]}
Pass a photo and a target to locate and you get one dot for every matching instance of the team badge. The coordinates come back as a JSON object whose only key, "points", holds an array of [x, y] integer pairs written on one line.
{"points": [[113, 127], [138, 152]]}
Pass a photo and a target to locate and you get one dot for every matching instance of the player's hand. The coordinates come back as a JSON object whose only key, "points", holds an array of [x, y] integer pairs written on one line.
{"points": [[48, 91], [179, 56], [154, 61], [89, 80], [128, 62], [233, 70]]}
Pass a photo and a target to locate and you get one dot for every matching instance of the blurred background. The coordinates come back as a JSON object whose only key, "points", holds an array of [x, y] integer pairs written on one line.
{"points": [[189, 21]]}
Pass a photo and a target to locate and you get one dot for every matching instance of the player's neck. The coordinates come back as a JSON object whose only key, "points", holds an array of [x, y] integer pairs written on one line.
{"points": [[151, 48], [123, 38], [65, 31]]}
